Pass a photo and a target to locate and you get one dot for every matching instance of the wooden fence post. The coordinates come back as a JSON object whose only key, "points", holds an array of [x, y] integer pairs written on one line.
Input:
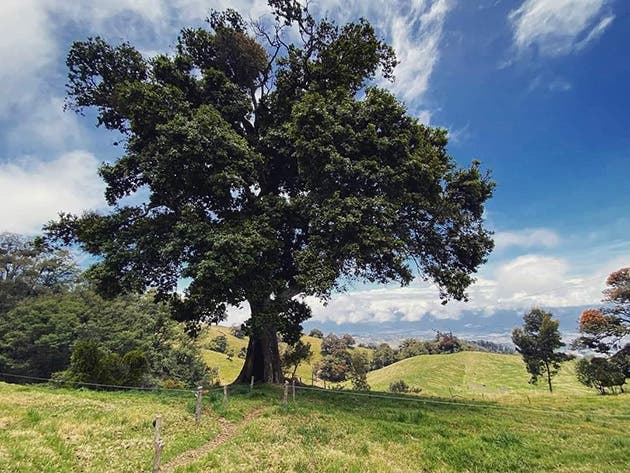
{"points": [[158, 444], [293, 384], [251, 385], [198, 395], [286, 393], [225, 395]]}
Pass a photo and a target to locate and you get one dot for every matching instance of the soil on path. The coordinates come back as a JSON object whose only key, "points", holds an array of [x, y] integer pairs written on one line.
{"points": [[227, 431]]}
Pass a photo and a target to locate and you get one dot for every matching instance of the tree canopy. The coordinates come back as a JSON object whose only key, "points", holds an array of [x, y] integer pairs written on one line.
{"points": [[537, 341], [273, 171]]}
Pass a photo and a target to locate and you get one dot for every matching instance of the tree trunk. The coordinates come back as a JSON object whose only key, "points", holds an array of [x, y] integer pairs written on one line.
{"points": [[263, 358], [548, 376]]}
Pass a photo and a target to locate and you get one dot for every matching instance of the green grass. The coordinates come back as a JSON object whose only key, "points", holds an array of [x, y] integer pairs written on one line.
{"points": [[473, 375], [476, 413], [57, 430]]}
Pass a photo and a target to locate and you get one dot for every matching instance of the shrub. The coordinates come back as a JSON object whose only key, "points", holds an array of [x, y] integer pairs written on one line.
{"points": [[399, 387], [219, 344]]}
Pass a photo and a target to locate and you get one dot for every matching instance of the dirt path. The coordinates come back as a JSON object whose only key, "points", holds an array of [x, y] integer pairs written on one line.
{"points": [[227, 431]]}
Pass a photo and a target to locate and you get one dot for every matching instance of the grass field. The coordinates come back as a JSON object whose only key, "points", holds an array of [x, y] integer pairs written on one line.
{"points": [[473, 375], [513, 428]]}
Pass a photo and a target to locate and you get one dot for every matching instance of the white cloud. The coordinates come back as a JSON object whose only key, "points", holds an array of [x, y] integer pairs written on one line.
{"points": [[557, 27], [516, 285], [35, 191], [26, 50], [526, 238]]}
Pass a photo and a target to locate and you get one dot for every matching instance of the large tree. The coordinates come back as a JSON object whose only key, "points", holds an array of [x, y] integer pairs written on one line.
{"points": [[272, 171], [537, 341]]}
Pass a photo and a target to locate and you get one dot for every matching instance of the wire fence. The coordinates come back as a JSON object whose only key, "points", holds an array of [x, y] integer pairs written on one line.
{"points": [[333, 392]]}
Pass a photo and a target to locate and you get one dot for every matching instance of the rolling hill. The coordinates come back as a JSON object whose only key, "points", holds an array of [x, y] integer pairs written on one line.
{"points": [[471, 374]]}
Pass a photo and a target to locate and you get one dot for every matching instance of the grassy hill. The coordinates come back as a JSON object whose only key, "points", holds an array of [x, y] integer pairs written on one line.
{"points": [[472, 375], [58, 430]]}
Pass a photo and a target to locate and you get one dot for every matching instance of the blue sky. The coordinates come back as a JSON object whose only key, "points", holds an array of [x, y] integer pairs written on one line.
{"points": [[538, 90]]}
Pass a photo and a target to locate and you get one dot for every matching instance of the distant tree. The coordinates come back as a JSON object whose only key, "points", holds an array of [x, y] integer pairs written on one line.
{"points": [[219, 344], [295, 354], [446, 342], [273, 166], [331, 343], [359, 367], [383, 356], [238, 331], [348, 340], [412, 347], [29, 268], [604, 330], [316, 333], [537, 342], [334, 368], [600, 373], [242, 352]]}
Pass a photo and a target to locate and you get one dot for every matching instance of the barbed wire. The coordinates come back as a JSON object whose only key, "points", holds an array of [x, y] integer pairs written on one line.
{"points": [[460, 404], [379, 395], [61, 382]]}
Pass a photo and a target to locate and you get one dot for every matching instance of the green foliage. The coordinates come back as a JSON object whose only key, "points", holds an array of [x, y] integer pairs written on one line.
{"points": [[331, 343], [537, 342], [295, 354], [29, 268], [599, 373], [359, 368], [383, 356], [606, 330], [218, 344], [334, 368], [316, 333], [91, 364], [37, 336], [292, 175]]}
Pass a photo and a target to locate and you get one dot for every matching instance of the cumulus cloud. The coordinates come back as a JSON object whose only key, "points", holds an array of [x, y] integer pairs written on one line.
{"points": [[516, 285], [35, 191], [558, 27], [526, 238], [26, 50]]}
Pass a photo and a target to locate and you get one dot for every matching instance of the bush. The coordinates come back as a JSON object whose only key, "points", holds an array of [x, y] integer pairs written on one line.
{"points": [[219, 344], [399, 387]]}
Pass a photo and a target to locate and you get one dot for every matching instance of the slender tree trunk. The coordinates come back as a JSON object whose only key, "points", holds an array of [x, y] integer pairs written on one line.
{"points": [[548, 376], [263, 357]]}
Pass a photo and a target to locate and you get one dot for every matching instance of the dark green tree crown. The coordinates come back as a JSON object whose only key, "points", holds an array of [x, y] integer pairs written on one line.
{"points": [[272, 170]]}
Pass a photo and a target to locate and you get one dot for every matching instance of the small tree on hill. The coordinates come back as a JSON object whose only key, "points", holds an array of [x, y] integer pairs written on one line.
{"points": [[359, 368], [537, 342], [296, 354], [316, 333]]}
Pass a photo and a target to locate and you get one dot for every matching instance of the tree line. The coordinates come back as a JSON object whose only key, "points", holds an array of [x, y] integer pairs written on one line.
{"points": [[54, 325]]}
